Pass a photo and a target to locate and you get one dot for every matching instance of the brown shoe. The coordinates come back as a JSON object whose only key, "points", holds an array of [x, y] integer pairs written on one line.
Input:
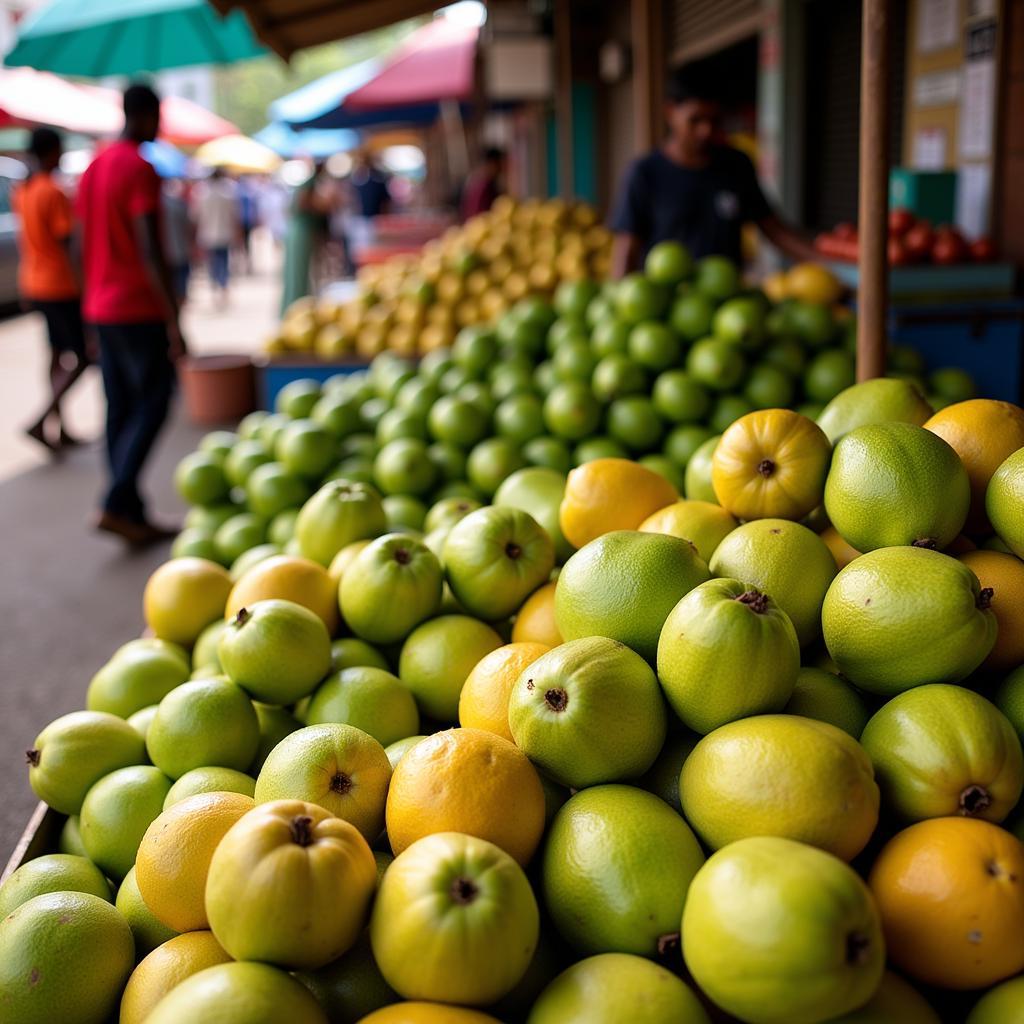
{"points": [[136, 535]]}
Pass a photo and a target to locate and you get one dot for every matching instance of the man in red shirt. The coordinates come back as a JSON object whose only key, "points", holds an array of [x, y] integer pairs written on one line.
{"points": [[130, 298]]}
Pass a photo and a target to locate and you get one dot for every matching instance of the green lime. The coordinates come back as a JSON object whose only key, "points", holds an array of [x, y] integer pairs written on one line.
{"points": [[634, 421], [678, 398]]}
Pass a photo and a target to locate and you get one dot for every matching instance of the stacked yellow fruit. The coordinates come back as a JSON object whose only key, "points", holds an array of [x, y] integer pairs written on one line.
{"points": [[470, 275]]}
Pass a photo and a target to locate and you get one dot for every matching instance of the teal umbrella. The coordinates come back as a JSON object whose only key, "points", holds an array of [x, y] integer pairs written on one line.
{"points": [[96, 38]]}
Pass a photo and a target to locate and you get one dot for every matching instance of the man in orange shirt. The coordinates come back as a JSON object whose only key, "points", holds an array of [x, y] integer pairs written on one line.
{"points": [[47, 278]]}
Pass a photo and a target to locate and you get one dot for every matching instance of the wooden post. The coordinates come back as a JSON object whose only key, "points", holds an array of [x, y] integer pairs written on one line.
{"points": [[563, 99], [872, 299], [649, 68]]}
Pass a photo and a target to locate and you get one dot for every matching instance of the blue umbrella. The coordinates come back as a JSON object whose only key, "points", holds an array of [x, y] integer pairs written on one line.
{"points": [[167, 160], [317, 143]]}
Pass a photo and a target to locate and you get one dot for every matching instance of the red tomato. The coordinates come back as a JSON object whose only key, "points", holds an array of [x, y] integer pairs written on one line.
{"points": [[983, 250], [900, 222], [845, 231], [949, 248], [919, 240], [897, 252]]}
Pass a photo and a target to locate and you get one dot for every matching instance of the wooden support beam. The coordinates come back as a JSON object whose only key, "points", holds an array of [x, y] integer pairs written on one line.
{"points": [[873, 297], [649, 70], [563, 99]]}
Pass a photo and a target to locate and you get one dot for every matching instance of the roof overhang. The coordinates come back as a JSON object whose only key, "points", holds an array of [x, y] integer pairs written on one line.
{"points": [[286, 26]]}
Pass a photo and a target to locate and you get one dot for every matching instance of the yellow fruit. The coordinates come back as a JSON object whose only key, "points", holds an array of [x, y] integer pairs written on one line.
{"points": [[703, 524], [183, 597], [775, 287], [1004, 575], [781, 775], [535, 620], [427, 1013], [515, 286], [167, 966], [291, 885], [174, 856], [493, 303], [610, 494], [542, 276], [842, 552], [771, 464], [470, 781], [342, 560], [483, 703], [289, 578], [950, 893], [811, 282], [476, 906], [983, 432], [234, 993], [435, 336]]}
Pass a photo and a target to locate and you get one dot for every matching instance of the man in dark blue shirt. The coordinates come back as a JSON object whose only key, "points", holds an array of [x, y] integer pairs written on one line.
{"points": [[694, 189]]}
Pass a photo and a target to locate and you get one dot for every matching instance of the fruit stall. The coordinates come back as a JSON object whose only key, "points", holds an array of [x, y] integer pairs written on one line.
{"points": [[559, 650], [626, 651], [949, 298]]}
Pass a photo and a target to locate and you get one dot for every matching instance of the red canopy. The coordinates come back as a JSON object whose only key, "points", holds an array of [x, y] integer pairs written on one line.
{"points": [[30, 97], [182, 122], [436, 63], [185, 123]]}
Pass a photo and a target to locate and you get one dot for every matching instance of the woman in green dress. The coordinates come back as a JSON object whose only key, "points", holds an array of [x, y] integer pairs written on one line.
{"points": [[305, 234]]}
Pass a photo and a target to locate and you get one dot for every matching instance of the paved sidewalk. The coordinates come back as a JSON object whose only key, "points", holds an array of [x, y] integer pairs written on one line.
{"points": [[242, 327], [69, 596]]}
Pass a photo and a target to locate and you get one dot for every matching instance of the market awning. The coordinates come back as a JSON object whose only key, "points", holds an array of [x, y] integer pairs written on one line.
{"points": [[30, 97], [239, 154], [436, 63], [96, 38], [433, 65], [289, 25], [182, 121], [323, 95], [311, 142], [167, 160]]}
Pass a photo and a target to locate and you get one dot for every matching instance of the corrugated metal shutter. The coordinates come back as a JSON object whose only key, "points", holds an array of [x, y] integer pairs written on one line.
{"points": [[693, 23], [833, 106]]}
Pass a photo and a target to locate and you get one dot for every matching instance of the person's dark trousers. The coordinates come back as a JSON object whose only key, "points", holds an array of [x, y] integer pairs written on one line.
{"points": [[138, 377], [219, 263]]}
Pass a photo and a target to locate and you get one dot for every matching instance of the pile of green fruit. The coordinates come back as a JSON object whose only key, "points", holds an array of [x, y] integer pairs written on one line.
{"points": [[591, 753], [654, 367]]}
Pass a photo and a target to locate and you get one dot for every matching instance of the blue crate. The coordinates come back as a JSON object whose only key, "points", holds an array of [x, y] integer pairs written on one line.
{"points": [[272, 375], [984, 338]]}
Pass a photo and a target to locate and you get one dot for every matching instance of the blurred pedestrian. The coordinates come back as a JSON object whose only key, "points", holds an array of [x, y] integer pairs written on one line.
{"points": [[370, 187], [178, 235], [273, 210], [218, 220], [371, 184], [305, 234], [48, 281], [484, 184], [130, 298], [248, 217]]}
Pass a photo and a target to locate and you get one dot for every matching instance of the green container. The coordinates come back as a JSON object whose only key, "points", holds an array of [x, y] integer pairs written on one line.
{"points": [[930, 195]]}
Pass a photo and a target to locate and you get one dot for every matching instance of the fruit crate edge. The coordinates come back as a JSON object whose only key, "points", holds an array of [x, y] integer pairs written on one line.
{"points": [[274, 374], [39, 837]]}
